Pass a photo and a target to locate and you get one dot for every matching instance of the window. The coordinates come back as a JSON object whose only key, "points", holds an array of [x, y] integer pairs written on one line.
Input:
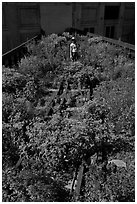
{"points": [[110, 30], [4, 23], [90, 30], [111, 12], [88, 14], [28, 16]]}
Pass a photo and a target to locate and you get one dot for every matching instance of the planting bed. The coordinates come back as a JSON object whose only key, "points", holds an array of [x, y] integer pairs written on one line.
{"points": [[69, 127]]}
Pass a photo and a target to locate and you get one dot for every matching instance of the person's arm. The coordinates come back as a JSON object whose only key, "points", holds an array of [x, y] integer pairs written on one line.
{"points": [[70, 51]]}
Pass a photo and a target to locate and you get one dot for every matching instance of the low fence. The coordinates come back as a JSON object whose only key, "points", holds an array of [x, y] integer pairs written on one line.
{"points": [[129, 48], [13, 56]]}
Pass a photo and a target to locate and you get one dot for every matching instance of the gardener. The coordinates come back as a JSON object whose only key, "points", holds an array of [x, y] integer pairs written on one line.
{"points": [[73, 50]]}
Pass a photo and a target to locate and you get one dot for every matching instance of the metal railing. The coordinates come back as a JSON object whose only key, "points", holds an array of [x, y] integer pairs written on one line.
{"points": [[13, 56], [119, 43], [128, 47]]}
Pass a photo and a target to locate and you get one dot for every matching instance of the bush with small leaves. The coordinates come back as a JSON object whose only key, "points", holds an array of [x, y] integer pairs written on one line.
{"points": [[45, 139]]}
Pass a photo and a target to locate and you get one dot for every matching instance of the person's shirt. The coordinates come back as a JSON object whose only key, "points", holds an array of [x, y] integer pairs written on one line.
{"points": [[73, 47]]}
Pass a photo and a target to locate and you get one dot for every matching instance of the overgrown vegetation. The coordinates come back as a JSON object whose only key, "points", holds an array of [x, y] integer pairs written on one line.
{"points": [[91, 119]]}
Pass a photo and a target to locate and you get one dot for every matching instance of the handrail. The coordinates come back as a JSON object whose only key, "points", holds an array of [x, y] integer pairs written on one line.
{"points": [[12, 56], [120, 43], [115, 42], [20, 46]]}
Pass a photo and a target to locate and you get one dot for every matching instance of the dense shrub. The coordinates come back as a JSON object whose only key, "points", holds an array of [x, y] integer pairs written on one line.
{"points": [[12, 80], [47, 136]]}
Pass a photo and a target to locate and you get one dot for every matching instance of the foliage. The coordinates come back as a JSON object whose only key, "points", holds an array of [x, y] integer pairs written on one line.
{"points": [[118, 187], [47, 136], [12, 80]]}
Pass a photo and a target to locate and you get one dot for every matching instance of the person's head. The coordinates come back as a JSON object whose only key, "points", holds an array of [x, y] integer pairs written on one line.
{"points": [[73, 40]]}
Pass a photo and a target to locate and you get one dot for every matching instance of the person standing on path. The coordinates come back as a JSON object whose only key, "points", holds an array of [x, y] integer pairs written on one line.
{"points": [[73, 50]]}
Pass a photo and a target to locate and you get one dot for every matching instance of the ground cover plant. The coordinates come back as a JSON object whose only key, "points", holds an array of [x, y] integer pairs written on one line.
{"points": [[58, 114]]}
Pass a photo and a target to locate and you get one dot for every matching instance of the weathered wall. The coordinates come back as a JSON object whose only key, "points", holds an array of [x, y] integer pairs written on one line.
{"points": [[91, 16], [10, 34], [20, 21], [55, 17], [128, 26]]}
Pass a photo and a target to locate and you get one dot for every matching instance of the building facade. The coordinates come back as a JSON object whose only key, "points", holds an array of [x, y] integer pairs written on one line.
{"points": [[21, 20], [110, 19]]}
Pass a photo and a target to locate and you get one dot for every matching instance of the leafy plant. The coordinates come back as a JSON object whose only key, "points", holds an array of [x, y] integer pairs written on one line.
{"points": [[90, 119]]}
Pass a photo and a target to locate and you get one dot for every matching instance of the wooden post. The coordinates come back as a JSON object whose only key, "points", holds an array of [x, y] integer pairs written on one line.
{"points": [[79, 182]]}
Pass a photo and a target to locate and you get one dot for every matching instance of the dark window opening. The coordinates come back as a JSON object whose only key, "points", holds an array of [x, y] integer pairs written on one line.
{"points": [[110, 31], [90, 30], [111, 12]]}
